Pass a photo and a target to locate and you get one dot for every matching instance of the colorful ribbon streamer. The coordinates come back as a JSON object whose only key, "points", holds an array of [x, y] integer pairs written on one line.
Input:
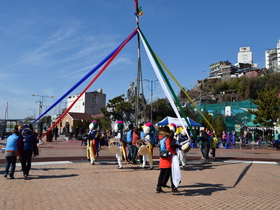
{"points": [[80, 82], [156, 68], [95, 78], [176, 81]]}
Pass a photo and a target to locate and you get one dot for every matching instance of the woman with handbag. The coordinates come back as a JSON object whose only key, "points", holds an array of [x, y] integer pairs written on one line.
{"points": [[165, 160]]}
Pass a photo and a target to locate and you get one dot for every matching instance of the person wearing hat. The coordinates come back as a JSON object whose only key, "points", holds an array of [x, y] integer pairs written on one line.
{"points": [[93, 141], [118, 128], [165, 162], [148, 144], [182, 139], [28, 140]]}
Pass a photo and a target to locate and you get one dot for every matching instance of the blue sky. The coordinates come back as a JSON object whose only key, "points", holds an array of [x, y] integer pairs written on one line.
{"points": [[48, 46]]}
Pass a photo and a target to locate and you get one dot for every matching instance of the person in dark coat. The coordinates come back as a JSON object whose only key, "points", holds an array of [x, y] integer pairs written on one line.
{"points": [[55, 132], [77, 130], [28, 141], [205, 145]]}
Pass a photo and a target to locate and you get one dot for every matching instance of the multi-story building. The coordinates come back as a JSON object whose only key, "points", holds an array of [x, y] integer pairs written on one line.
{"points": [[245, 55], [245, 59], [225, 69], [90, 102], [272, 58], [86, 108], [221, 68]]}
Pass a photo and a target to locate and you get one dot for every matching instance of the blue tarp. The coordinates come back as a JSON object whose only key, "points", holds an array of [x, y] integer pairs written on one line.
{"points": [[176, 121]]}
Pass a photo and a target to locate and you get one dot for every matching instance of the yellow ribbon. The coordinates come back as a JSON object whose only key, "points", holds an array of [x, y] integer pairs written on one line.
{"points": [[184, 92], [91, 150], [123, 151], [150, 147]]}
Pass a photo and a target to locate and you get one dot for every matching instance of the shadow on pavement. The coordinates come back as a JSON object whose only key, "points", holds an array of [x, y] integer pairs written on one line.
{"points": [[203, 189], [203, 166], [52, 169], [52, 177], [242, 174]]}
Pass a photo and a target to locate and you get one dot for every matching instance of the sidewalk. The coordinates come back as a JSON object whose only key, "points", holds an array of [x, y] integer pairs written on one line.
{"points": [[214, 185], [204, 186]]}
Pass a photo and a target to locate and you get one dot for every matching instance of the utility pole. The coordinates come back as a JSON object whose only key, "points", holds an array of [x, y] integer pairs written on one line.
{"points": [[151, 84], [139, 69]]}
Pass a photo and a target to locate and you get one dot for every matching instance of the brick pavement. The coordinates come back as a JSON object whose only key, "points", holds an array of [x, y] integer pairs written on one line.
{"points": [[214, 185], [79, 185], [71, 150]]}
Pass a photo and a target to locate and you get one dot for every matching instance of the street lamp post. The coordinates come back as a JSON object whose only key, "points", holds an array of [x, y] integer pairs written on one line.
{"points": [[45, 118], [34, 112], [151, 84], [41, 100]]}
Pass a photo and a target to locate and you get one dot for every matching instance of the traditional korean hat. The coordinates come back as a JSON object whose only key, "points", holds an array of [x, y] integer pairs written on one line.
{"points": [[172, 127], [119, 126], [148, 127], [93, 125]]}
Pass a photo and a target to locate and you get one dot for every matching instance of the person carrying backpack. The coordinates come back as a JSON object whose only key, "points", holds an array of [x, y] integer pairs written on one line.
{"points": [[28, 143], [165, 160]]}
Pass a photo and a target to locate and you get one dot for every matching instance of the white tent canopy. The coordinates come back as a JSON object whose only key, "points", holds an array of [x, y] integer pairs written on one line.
{"points": [[167, 120]]}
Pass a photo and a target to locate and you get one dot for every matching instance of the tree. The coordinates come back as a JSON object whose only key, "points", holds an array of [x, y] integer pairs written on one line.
{"points": [[209, 118], [47, 120], [104, 123], [219, 125], [268, 106], [189, 111], [161, 109], [82, 124], [118, 109]]}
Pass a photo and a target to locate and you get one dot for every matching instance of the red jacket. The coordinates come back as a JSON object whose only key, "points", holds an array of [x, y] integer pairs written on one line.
{"points": [[166, 162], [135, 138]]}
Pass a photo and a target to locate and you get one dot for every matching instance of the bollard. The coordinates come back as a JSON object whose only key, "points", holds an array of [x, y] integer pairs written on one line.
{"points": [[49, 137]]}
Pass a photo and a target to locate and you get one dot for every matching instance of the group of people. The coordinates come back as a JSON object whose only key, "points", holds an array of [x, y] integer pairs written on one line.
{"points": [[138, 144], [23, 144], [126, 147], [229, 137], [208, 141]]}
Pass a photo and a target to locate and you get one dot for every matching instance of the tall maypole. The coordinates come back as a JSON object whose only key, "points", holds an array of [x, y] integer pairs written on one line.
{"points": [[138, 12]]}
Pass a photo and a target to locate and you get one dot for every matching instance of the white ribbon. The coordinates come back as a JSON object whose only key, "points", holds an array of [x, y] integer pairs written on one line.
{"points": [[161, 81]]}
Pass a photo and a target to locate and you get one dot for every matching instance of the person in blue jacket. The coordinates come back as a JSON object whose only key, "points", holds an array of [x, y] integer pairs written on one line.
{"points": [[129, 142], [11, 154], [28, 141]]}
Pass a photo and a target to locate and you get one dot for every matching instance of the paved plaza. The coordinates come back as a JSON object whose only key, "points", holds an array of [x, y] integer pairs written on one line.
{"points": [[60, 181]]}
